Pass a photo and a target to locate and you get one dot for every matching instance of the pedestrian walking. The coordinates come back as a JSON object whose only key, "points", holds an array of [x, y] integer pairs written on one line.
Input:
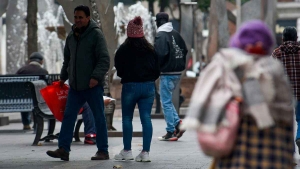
{"points": [[288, 53], [171, 50], [265, 132], [137, 66], [86, 61]]}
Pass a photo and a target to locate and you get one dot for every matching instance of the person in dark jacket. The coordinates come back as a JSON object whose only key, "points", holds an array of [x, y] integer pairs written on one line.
{"points": [[34, 67], [288, 53], [171, 51], [137, 66], [86, 61]]}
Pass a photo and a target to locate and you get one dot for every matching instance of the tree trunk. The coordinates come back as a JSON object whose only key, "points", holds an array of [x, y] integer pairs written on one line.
{"points": [[151, 7], [163, 4], [32, 28], [198, 38], [218, 27], [178, 4], [263, 10]]}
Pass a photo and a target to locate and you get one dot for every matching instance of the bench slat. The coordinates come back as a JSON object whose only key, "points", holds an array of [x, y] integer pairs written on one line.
{"points": [[15, 96]]}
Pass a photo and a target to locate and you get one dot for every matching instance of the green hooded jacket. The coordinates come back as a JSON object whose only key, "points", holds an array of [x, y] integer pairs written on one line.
{"points": [[85, 58]]}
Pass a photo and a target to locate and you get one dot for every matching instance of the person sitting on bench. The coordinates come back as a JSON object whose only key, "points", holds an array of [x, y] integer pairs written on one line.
{"points": [[33, 67], [89, 123]]}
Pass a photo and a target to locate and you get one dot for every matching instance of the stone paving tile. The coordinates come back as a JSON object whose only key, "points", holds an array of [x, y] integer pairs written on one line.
{"points": [[16, 150]]}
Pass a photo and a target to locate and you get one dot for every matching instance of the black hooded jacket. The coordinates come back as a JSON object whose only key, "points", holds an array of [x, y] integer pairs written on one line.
{"points": [[171, 50], [136, 65]]}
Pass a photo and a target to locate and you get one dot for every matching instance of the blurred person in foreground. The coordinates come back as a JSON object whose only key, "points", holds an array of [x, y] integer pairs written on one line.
{"points": [[34, 67], [265, 133], [137, 66], [289, 54]]}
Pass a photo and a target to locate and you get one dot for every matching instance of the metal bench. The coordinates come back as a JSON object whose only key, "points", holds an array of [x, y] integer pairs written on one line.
{"points": [[110, 108], [41, 111], [109, 113], [17, 95], [13, 96]]}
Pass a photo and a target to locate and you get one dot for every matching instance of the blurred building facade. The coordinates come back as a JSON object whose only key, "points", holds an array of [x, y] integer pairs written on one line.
{"points": [[288, 15]]}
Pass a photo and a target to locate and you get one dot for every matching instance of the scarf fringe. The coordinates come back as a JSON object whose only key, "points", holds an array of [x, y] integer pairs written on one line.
{"points": [[190, 124], [193, 124]]}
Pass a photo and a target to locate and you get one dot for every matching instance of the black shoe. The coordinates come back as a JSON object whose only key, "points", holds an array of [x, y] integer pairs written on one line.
{"points": [[100, 156], [178, 132], [59, 153], [168, 137], [298, 145], [26, 127]]}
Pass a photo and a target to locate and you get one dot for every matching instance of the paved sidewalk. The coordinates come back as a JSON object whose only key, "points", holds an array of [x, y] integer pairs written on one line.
{"points": [[16, 150]]}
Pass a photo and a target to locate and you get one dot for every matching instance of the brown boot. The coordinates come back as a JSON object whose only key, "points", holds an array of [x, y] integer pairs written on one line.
{"points": [[26, 127], [100, 156], [59, 153]]}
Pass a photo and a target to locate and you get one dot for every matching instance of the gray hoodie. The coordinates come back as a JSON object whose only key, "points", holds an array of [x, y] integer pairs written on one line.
{"points": [[85, 57]]}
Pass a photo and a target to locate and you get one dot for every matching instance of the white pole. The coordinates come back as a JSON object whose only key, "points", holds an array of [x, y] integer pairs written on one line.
{"points": [[1, 35], [3, 47]]}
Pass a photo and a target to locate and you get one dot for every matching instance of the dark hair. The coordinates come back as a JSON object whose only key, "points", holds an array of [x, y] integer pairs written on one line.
{"points": [[83, 8], [140, 44], [289, 34]]}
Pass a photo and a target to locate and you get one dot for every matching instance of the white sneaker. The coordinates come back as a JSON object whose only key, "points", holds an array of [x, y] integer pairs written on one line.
{"points": [[143, 157], [124, 155]]}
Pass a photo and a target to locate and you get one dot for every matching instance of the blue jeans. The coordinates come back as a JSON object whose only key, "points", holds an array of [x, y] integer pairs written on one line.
{"points": [[26, 118], [297, 111], [143, 95], [88, 120], [76, 99], [168, 84]]}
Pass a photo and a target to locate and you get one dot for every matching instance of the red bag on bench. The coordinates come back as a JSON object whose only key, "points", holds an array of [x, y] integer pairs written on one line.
{"points": [[56, 99]]}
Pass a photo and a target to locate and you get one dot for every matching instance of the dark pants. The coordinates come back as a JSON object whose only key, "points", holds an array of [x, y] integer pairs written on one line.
{"points": [[297, 111], [88, 120], [76, 99], [26, 118]]}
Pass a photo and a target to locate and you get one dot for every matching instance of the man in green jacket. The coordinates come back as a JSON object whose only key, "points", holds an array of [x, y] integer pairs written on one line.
{"points": [[86, 61]]}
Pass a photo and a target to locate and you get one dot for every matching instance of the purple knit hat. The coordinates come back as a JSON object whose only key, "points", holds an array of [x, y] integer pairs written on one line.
{"points": [[252, 32]]}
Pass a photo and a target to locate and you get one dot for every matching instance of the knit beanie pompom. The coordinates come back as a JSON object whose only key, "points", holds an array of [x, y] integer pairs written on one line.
{"points": [[138, 21]]}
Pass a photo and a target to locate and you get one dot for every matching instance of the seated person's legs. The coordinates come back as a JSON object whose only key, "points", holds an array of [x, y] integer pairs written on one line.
{"points": [[89, 125], [89, 122], [26, 120]]}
